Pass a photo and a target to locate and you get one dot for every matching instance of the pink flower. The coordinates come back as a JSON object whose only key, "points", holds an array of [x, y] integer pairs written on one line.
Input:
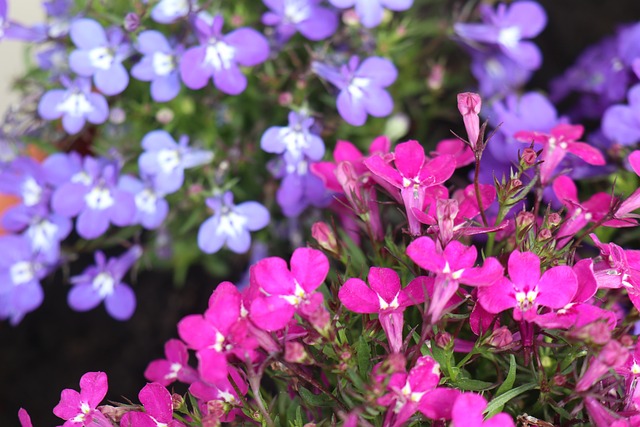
{"points": [[562, 140], [25, 419], [174, 367], [285, 292], [613, 355], [79, 409], [384, 297], [469, 106], [222, 391], [158, 408], [460, 151], [625, 214], [526, 291], [414, 175], [467, 411], [452, 266], [618, 268]]}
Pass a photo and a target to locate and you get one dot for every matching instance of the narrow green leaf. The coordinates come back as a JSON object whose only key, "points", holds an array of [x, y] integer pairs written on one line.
{"points": [[313, 400], [363, 354], [498, 402], [472, 385], [511, 377]]}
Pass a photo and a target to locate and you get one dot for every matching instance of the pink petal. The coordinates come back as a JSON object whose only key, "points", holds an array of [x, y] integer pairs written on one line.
{"points": [[587, 284], [423, 252], [409, 158], [381, 144], [212, 365], [356, 296], [176, 351], [416, 291], [438, 170], [586, 152], [309, 267], [486, 275], [460, 256], [346, 151], [556, 287], [69, 405], [634, 161], [93, 388], [25, 419], [526, 136], [568, 132], [425, 375], [438, 404], [159, 371], [500, 420], [224, 307], [196, 332], [272, 275], [498, 297], [137, 419], [157, 402], [271, 313], [379, 167], [565, 189], [467, 410], [385, 282], [524, 269]]}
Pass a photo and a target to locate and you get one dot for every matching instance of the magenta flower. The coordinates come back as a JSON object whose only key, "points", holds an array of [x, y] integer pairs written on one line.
{"points": [[527, 290], [158, 407], [561, 140], [174, 367], [413, 175], [468, 411], [452, 266], [469, 105], [219, 56], [624, 216], [386, 297], [25, 419], [612, 356], [79, 409], [286, 291]]}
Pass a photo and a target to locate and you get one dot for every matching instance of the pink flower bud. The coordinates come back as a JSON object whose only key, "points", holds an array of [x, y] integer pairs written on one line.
{"points": [[544, 234], [612, 355], [443, 339], [285, 99], [325, 236], [524, 220], [177, 401], [528, 157], [294, 352], [436, 77], [501, 337], [469, 106], [114, 413], [554, 219]]}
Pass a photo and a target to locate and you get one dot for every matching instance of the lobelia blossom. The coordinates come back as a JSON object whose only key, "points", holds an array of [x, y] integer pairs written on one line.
{"points": [[313, 21], [164, 160], [621, 123], [103, 282], [371, 11], [613, 355], [230, 224], [527, 290], [386, 297], [26, 179], [158, 409], [624, 216], [507, 27], [100, 55], [12, 30], [295, 141], [468, 411], [75, 105], [221, 392], [284, 292], [414, 175], [469, 105], [362, 87], [219, 56], [79, 409], [151, 207], [561, 140], [24, 418], [497, 74], [630, 371], [169, 11], [452, 266], [159, 65], [174, 367]]}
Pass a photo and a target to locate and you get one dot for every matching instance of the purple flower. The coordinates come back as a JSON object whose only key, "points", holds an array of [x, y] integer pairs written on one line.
{"points": [[621, 123], [20, 272], [24, 178], [306, 16], [158, 65], [300, 188], [231, 224], [506, 27], [151, 207], [362, 87], [168, 11], [371, 11], [12, 30], [295, 141], [218, 56], [93, 196], [104, 282], [165, 160], [100, 54], [76, 104], [497, 74]]}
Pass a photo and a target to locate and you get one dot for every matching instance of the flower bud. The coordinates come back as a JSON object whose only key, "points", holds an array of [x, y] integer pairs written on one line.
{"points": [[397, 126], [114, 413], [593, 333], [117, 116], [294, 352], [559, 380], [436, 77], [325, 237], [285, 99], [524, 220], [131, 22], [501, 337], [177, 401], [469, 106], [554, 219], [528, 158], [165, 116], [443, 339], [514, 184], [544, 234]]}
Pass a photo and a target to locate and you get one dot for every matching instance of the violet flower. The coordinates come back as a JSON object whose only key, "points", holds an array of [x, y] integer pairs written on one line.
{"points": [[151, 207], [26, 179], [219, 56], [159, 65], [231, 224], [313, 21], [507, 27], [295, 141], [362, 87], [100, 54], [158, 409], [165, 160], [103, 282], [371, 11], [621, 123], [15, 31], [498, 75], [79, 409], [169, 11], [76, 104], [299, 188]]}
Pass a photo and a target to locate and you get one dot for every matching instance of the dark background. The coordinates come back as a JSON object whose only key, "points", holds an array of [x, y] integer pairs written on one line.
{"points": [[53, 346]]}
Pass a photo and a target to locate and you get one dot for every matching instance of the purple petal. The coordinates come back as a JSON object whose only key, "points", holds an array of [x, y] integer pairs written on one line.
{"points": [[83, 298], [87, 34], [48, 105], [528, 16], [80, 63], [100, 111], [251, 47], [112, 81], [121, 303], [69, 199], [92, 223], [257, 215], [193, 71], [378, 102], [322, 24], [621, 124], [526, 54], [208, 238], [240, 242], [165, 88], [151, 41], [352, 109], [370, 12], [144, 70], [73, 124], [229, 80], [27, 297], [380, 70]]}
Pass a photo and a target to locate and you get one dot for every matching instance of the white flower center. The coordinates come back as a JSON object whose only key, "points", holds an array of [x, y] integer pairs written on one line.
{"points": [[101, 57], [526, 300], [295, 140], [509, 37], [99, 198], [173, 371], [146, 201], [174, 8], [219, 55], [385, 305], [231, 223], [104, 284], [297, 11], [76, 105], [81, 178], [218, 345], [169, 160], [163, 63], [42, 235], [297, 297], [21, 272], [635, 368], [31, 192], [357, 86], [226, 396]]}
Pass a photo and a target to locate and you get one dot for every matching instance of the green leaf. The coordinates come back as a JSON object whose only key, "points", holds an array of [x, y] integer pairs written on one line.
{"points": [[511, 377], [563, 413], [472, 385], [498, 402], [363, 354], [313, 400]]}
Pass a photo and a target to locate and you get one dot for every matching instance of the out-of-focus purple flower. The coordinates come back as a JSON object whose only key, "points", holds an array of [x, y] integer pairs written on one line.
{"points": [[497, 74], [76, 104], [103, 282], [507, 27], [362, 87], [295, 141], [371, 11], [168, 11], [94, 197], [231, 224], [621, 123], [24, 178], [20, 272], [219, 56], [165, 160], [629, 44], [13, 30], [158, 65], [300, 187], [306, 16], [151, 207], [57, 8], [100, 54]]}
